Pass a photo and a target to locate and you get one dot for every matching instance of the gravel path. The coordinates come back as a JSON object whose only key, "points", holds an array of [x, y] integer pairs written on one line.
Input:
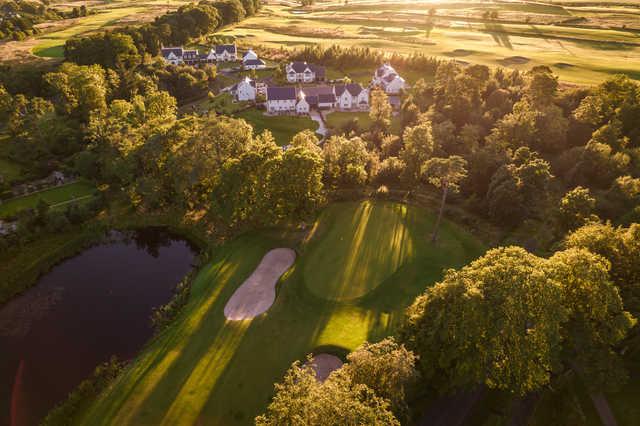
{"points": [[256, 295]]}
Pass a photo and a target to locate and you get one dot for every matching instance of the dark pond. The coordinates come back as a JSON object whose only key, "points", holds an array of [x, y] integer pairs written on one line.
{"points": [[84, 310]]}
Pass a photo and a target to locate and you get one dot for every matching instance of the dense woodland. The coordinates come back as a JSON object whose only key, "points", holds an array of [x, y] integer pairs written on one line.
{"points": [[557, 170]]}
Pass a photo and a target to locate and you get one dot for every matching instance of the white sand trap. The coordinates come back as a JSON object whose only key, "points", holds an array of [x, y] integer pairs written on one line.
{"points": [[258, 292], [324, 364]]}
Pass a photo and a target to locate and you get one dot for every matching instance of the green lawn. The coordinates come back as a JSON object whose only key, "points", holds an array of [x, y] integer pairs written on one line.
{"points": [[206, 370], [283, 127], [337, 120], [54, 196]]}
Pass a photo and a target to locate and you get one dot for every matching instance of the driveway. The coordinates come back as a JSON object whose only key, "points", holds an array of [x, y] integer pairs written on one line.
{"points": [[317, 117]]}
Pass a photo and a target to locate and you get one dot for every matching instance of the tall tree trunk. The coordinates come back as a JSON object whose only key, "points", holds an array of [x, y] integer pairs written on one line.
{"points": [[445, 190]]}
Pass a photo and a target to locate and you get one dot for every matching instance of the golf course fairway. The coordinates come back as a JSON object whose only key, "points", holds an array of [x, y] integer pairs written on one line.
{"points": [[339, 292]]}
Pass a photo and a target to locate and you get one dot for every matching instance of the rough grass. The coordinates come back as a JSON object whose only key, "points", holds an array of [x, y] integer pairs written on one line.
{"points": [[55, 196], [283, 127], [206, 370]]}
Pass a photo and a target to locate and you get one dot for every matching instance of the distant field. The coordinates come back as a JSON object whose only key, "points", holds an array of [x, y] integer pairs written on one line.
{"points": [[52, 44], [584, 42], [282, 127], [107, 14], [55, 196]]}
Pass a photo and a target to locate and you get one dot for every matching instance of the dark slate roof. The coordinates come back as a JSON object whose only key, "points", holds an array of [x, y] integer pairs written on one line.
{"points": [[318, 90], [299, 66], [390, 77], [254, 62], [384, 69], [231, 48], [312, 100], [165, 51], [326, 98], [281, 93], [320, 71], [354, 89]]}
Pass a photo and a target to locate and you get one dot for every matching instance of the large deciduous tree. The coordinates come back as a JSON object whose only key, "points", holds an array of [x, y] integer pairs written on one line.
{"points": [[387, 367], [513, 321], [496, 321], [300, 400]]}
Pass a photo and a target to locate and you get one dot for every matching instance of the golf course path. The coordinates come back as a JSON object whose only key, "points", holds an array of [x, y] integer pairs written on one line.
{"points": [[324, 364], [258, 292]]}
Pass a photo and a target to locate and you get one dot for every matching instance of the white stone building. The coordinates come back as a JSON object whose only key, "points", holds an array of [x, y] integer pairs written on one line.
{"points": [[245, 90], [281, 100], [351, 96], [303, 72], [389, 80], [226, 53]]}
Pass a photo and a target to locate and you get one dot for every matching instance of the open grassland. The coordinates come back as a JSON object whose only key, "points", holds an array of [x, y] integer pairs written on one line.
{"points": [[55, 197], [582, 44], [282, 127], [206, 370]]}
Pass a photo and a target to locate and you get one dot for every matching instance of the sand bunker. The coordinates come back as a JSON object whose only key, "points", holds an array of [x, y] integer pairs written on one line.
{"points": [[324, 364], [258, 292]]}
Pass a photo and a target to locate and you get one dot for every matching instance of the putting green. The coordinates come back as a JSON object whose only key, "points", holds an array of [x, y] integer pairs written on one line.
{"points": [[204, 369], [364, 244]]}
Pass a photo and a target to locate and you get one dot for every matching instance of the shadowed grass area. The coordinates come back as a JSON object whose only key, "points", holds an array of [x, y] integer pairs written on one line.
{"points": [[206, 370]]}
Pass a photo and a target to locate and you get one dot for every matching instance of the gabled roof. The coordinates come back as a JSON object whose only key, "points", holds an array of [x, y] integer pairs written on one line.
{"points": [[312, 100], [390, 77], [385, 69], [247, 80], [318, 90], [281, 93], [166, 51], [229, 48], [254, 62], [250, 52], [354, 89]]}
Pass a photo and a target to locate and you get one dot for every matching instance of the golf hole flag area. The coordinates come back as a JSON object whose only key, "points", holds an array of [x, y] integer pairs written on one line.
{"points": [[347, 280]]}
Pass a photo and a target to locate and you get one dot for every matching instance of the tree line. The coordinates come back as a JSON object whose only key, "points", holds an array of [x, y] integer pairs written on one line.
{"points": [[125, 47]]}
